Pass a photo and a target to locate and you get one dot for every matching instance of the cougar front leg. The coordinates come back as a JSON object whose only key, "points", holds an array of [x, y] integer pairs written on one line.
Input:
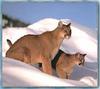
{"points": [[60, 72], [46, 66]]}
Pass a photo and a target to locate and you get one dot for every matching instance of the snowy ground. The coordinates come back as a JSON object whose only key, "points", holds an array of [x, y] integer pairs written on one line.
{"points": [[82, 40], [18, 74]]}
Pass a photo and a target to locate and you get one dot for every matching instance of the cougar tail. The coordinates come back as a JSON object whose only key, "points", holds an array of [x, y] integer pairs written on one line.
{"points": [[9, 42]]}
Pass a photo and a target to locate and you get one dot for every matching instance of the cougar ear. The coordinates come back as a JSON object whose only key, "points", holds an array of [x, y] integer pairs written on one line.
{"points": [[68, 24], [60, 24], [84, 54]]}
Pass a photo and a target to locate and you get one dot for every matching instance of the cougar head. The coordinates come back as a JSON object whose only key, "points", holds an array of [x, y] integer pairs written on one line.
{"points": [[66, 29], [80, 59]]}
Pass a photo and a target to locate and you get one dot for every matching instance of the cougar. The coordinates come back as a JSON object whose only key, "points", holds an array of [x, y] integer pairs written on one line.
{"points": [[42, 48], [66, 62]]}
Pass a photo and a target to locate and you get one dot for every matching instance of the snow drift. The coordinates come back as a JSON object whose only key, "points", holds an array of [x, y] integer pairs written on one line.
{"points": [[83, 40], [19, 74]]}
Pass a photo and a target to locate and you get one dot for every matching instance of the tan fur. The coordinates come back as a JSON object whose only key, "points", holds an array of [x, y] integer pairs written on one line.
{"points": [[33, 49], [66, 63]]}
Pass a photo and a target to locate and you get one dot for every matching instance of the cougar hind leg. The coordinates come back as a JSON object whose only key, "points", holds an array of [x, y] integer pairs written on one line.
{"points": [[21, 54], [27, 55]]}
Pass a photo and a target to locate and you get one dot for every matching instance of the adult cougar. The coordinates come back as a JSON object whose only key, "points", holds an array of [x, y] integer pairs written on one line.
{"points": [[33, 49]]}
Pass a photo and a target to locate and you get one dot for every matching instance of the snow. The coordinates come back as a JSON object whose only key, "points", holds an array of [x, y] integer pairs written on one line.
{"points": [[19, 74], [83, 40]]}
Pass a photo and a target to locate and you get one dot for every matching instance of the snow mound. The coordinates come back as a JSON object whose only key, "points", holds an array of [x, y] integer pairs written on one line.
{"points": [[19, 74], [89, 80]]}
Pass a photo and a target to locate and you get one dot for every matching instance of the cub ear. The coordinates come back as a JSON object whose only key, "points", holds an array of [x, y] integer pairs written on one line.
{"points": [[60, 24], [84, 54], [68, 24]]}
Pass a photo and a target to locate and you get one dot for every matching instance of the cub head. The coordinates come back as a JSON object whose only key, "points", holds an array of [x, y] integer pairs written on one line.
{"points": [[65, 29], [80, 59]]}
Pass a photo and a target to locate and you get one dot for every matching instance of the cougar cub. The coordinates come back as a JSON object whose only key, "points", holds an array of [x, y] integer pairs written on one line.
{"points": [[66, 63]]}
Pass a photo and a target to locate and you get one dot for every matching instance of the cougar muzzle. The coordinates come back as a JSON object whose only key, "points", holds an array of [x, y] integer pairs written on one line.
{"points": [[82, 63]]}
